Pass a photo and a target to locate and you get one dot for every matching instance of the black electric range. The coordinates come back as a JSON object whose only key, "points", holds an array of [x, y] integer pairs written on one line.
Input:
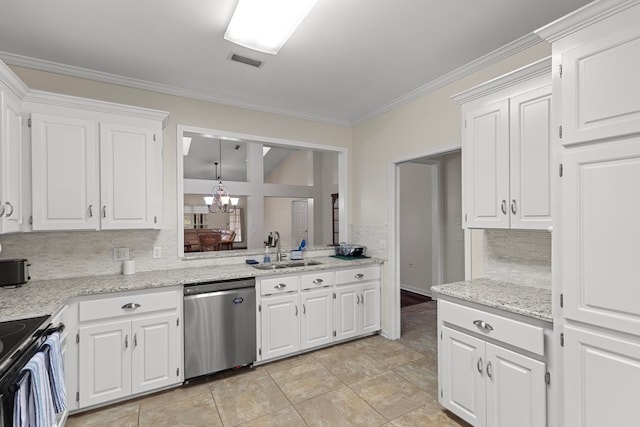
{"points": [[15, 333]]}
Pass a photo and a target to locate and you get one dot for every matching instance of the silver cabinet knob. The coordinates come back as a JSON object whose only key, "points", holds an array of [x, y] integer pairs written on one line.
{"points": [[135, 340], [489, 374], [482, 324], [503, 207], [317, 281], [126, 341], [104, 212], [513, 206], [280, 286], [90, 211], [11, 211], [359, 276], [479, 365]]}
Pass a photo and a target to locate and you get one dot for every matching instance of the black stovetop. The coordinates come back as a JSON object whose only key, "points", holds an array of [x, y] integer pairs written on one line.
{"points": [[15, 332]]}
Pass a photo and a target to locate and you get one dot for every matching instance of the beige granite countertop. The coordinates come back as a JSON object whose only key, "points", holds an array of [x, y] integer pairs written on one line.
{"points": [[45, 297], [524, 300]]}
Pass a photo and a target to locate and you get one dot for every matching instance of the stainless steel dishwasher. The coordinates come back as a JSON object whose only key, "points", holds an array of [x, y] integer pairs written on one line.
{"points": [[219, 326]]}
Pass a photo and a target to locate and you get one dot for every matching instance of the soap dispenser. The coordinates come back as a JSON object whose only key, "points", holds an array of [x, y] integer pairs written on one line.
{"points": [[267, 258]]}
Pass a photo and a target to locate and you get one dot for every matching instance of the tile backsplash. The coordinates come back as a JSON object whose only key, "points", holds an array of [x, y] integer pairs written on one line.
{"points": [[518, 256]]}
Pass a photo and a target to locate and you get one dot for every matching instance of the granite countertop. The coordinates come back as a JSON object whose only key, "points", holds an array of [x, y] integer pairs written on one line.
{"points": [[45, 297], [524, 300]]}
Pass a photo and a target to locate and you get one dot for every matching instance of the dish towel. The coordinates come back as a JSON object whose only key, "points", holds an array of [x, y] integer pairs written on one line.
{"points": [[23, 406], [56, 372], [40, 412]]}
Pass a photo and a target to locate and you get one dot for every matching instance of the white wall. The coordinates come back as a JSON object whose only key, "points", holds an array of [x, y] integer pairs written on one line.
{"points": [[452, 233], [416, 258]]}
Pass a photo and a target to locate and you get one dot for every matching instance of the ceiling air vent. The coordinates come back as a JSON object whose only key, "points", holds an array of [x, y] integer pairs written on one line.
{"points": [[245, 60]]}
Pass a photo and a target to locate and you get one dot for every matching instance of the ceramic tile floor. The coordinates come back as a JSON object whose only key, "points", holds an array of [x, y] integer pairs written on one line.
{"points": [[369, 382]]}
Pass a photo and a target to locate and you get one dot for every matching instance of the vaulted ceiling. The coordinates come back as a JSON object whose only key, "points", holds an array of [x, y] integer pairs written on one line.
{"points": [[347, 61]]}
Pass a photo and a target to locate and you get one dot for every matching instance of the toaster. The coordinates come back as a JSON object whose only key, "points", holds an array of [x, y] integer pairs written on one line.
{"points": [[14, 272]]}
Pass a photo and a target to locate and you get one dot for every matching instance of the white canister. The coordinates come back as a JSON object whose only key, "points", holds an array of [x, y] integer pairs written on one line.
{"points": [[129, 266]]}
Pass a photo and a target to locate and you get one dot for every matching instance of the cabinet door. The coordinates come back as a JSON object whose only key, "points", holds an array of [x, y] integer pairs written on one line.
{"points": [[280, 325], [516, 389], [600, 231], [370, 307], [65, 173], [601, 379], [530, 153], [12, 185], [154, 363], [346, 312], [127, 186], [317, 318], [463, 376], [105, 362], [600, 80], [486, 166]]}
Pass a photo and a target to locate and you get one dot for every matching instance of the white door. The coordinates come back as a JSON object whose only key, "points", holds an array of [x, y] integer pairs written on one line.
{"points": [[65, 173], [105, 362], [516, 389], [600, 234], [12, 186], [317, 318], [530, 143], [370, 307], [463, 376], [127, 186], [346, 312], [300, 222], [280, 325], [154, 363], [601, 379], [485, 154]]}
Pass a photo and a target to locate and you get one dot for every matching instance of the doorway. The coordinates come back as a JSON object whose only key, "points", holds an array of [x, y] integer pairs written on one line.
{"points": [[428, 246]]}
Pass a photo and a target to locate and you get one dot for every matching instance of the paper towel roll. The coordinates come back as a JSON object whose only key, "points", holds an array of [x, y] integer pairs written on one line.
{"points": [[129, 267]]}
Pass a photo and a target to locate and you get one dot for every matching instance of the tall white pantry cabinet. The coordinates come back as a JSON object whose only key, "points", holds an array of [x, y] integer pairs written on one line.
{"points": [[596, 103]]}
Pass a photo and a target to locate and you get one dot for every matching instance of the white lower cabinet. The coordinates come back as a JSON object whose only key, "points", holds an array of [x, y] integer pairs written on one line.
{"points": [[280, 325], [127, 345], [484, 383], [602, 372], [301, 312]]}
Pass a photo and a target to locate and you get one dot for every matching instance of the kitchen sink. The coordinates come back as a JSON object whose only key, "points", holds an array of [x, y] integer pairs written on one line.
{"points": [[289, 264]]}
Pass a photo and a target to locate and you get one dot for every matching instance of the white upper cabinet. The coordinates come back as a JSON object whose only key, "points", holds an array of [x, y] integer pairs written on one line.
{"points": [[65, 173], [95, 171], [127, 184], [12, 185], [506, 150], [600, 96], [486, 166]]}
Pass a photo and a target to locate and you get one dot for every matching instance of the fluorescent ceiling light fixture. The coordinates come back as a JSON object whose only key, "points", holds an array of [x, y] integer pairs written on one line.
{"points": [[266, 25], [186, 144]]}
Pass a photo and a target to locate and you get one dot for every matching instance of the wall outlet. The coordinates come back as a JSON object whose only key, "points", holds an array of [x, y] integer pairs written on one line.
{"points": [[120, 254], [157, 252]]}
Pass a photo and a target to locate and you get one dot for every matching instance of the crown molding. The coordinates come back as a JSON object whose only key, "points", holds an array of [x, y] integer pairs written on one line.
{"points": [[9, 79], [582, 18], [84, 73], [476, 65], [539, 68], [59, 100]]}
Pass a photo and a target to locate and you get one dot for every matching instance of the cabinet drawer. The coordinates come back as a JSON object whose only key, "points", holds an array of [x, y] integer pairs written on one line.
{"points": [[514, 332], [278, 285], [316, 279], [359, 274], [105, 308]]}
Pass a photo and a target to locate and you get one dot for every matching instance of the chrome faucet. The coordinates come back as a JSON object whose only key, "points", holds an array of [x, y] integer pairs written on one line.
{"points": [[276, 238]]}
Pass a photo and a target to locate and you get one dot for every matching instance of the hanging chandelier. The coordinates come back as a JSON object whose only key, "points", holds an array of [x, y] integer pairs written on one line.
{"points": [[220, 201]]}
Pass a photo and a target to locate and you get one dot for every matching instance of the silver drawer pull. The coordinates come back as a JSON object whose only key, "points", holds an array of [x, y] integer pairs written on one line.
{"points": [[280, 286], [317, 281], [359, 276], [10, 206], [489, 374], [479, 365], [131, 305], [482, 324], [126, 341], [514, 209]]}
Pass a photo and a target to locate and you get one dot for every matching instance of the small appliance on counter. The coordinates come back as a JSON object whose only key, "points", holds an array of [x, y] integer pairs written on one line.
{"points": [[14, 272], [350, 250]]}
